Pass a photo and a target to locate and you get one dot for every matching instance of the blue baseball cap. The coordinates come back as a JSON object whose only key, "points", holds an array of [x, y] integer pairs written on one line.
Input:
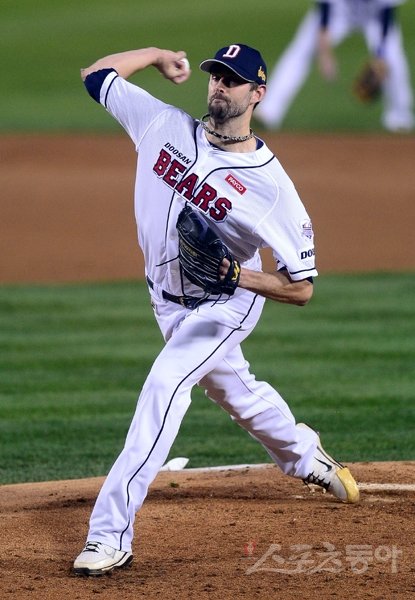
{"points": [[243, 60]]}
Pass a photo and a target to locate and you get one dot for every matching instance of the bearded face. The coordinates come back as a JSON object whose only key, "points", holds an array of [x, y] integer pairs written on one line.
{"points": [[228, 97]]}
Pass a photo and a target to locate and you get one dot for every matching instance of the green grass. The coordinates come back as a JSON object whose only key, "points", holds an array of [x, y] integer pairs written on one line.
{"points": [[73, 358], [43, 45]]}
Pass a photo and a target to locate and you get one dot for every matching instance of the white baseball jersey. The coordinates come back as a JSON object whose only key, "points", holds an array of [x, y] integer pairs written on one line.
{"points": [[247, 197], [372, 3], [358, 12]]}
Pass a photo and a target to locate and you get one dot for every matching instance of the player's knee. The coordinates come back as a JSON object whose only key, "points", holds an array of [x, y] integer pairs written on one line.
{"points": [[167, 386]]}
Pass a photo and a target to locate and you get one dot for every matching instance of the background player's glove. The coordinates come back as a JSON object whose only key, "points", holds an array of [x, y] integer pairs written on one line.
{"points": [[368, 83], [201, 253]]}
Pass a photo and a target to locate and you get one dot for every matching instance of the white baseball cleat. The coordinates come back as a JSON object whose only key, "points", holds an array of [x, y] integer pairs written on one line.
{"points": [[99, 559], [332, 475]]}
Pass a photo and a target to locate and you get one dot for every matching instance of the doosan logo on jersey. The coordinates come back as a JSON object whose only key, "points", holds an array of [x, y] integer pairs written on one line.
{"points": [[177, 153], [307, 253]]}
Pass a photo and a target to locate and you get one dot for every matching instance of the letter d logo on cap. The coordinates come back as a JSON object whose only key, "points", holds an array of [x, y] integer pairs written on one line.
{"points": [[232, 51]]}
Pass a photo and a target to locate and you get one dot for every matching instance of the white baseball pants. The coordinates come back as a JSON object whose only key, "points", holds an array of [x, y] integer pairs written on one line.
{"points": [[202, 346]]}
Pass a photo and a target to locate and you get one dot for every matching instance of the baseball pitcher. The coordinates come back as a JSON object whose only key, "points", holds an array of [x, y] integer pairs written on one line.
{"points": [[208, 195]]}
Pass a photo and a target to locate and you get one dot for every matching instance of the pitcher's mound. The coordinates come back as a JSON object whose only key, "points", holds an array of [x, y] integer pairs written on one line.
{"points": [[252, 533]]}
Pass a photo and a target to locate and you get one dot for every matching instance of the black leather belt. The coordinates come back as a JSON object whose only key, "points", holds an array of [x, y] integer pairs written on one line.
{"points": [[187, 301]]}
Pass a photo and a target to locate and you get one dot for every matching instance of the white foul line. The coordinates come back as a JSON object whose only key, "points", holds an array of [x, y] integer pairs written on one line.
{"points": [[387, 487], [367, 487]]}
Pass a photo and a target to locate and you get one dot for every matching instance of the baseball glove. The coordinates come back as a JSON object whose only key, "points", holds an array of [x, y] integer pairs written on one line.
{"points": [[201, 253], [367, 86]]}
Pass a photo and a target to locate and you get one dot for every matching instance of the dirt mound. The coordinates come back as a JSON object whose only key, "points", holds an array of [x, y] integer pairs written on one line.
{"points": [[253, 533]]}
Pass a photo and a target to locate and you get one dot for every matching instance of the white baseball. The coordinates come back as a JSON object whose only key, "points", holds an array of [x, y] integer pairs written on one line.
{"points": [[186, 63]]}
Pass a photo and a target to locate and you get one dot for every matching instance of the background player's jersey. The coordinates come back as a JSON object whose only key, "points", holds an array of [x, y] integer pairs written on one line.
{"points": [[369, 3], [247, 197], [359, 11]]}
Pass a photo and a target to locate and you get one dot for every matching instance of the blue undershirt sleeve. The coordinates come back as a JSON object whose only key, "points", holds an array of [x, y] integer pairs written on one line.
{"points": [[324, 9], [93, 82], [386, 17]]}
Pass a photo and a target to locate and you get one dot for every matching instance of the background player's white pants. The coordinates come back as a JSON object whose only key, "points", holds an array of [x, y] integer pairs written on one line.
{"points": [[292, 69], [202, 346]]}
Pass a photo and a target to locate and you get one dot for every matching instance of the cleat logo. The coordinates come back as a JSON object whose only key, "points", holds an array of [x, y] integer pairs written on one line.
{"points": [[329, 467]]}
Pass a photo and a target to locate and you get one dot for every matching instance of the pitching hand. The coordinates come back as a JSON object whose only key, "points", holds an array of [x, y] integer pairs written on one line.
{"points": [[172, 67]]}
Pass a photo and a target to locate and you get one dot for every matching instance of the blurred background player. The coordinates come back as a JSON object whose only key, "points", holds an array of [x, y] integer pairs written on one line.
{"points": [[325, 26]]}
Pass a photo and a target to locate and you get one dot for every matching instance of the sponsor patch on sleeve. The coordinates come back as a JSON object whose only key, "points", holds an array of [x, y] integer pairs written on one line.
{"points": [[307, 229]]}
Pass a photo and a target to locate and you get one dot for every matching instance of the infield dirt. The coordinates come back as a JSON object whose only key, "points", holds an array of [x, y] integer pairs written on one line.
{"points": [[67, 215], [251, 534], [67, 203]]}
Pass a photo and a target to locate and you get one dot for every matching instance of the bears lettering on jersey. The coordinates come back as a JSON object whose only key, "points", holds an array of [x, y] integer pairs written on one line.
{"points": [[206, 197]]}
